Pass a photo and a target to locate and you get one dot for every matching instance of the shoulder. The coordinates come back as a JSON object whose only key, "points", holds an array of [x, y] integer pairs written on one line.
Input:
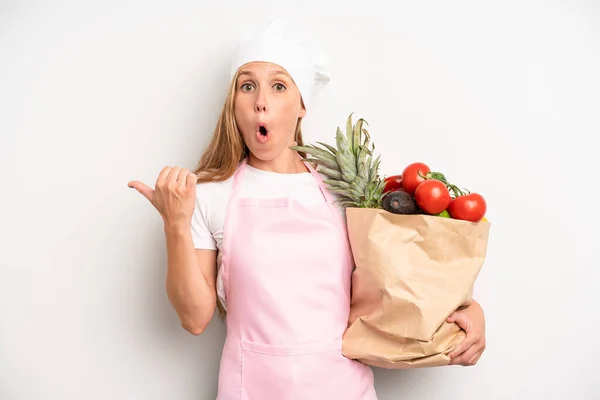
{"points": [[208, 190], [324, 179], [211, 201]]}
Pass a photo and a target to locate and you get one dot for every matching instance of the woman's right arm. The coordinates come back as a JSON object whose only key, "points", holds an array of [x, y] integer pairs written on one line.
{"points": [[191, 277], [191, 273]]}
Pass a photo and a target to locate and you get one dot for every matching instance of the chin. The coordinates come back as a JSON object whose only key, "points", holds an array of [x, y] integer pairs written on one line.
{"points": [[264, 153]]}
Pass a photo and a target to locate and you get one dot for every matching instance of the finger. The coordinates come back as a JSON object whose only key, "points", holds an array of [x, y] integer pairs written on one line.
{"points": [[174, 175], [462, 320], [458, 360], [475, 358], [452, 317], [182, 178], [174, 178], [144, 189], [163, 175], [467, 357], [461, 348], [191, 180]]}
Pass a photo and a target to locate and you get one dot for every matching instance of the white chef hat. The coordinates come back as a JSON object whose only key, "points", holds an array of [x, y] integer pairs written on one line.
{"points": [[277, 43]]}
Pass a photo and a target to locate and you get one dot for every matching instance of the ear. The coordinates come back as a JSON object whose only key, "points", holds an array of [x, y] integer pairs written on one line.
{"points": [[302, 109]]}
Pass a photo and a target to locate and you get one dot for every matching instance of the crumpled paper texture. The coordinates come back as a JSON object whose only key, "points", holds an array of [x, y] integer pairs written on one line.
{"points": [[411, 272]]}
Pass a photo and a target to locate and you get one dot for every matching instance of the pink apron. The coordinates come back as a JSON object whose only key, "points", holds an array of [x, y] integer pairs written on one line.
{"points": [[286, 270]]}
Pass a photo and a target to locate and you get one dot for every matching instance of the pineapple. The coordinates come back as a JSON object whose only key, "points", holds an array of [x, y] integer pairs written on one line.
{"points": [[352, 172]]}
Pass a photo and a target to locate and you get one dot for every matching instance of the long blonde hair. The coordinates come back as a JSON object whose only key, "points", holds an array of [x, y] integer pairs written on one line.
{"points": [[227, 148]]}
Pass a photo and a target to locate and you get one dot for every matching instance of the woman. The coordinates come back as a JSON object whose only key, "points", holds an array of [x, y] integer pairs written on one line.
{"points": [[263, 241]]}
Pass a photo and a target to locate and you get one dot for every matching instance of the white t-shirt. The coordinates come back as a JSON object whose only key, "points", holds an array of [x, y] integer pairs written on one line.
{"points": [[212, 199]]}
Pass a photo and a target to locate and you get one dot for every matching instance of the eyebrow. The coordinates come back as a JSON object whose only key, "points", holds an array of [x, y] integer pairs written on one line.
{"points": [[272, 73]]}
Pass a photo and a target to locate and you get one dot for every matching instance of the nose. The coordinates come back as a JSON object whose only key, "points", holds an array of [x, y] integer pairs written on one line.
{"points": [[261, 102]]}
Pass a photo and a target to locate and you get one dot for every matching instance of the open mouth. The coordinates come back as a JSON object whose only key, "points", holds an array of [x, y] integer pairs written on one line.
{"points": [[263, 134]]}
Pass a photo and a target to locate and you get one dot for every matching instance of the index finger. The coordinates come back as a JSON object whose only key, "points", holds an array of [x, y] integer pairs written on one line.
{"points": [[164, 173]]}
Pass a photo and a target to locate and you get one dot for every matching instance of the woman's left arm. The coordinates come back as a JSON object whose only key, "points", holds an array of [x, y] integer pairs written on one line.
{"points": [[472, 321]]}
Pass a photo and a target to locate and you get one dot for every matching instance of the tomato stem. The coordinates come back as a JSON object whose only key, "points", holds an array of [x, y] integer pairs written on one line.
{"points": [[441, 177]]}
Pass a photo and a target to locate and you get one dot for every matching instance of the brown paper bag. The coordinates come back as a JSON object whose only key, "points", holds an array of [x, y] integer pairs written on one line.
{"points": [[412, 272]]}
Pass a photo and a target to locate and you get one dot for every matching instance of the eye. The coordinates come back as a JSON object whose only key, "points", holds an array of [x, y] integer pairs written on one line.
{"points": [[279, 87], [246, 87]]}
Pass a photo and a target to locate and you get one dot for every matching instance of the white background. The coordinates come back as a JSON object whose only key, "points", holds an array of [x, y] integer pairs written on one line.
{"points": [[501, 96]]}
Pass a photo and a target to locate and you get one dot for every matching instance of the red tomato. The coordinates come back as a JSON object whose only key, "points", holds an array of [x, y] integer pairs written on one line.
{"points": [[392, 183], [410, 176], [432, 196], [469, 207]]}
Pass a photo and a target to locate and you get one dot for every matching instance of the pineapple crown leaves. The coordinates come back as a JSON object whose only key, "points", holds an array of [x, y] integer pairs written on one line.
{"points": [[352, 171]]}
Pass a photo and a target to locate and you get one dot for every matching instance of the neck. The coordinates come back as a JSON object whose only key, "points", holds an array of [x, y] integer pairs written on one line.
{"points": [[287, 162]]}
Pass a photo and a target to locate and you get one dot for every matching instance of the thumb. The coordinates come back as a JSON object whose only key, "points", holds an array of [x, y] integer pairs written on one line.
{"points": [[460, 319], [141, 187], [452, 317]]}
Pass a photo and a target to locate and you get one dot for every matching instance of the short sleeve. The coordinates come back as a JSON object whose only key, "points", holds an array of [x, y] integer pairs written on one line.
{"points": [[201, 233]]}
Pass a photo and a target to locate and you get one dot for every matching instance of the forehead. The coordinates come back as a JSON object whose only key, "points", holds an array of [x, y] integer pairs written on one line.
{"points": [[262, 68]]}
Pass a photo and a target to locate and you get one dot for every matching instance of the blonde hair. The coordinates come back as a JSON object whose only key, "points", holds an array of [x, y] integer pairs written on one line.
{"points": [[227, 149]]}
